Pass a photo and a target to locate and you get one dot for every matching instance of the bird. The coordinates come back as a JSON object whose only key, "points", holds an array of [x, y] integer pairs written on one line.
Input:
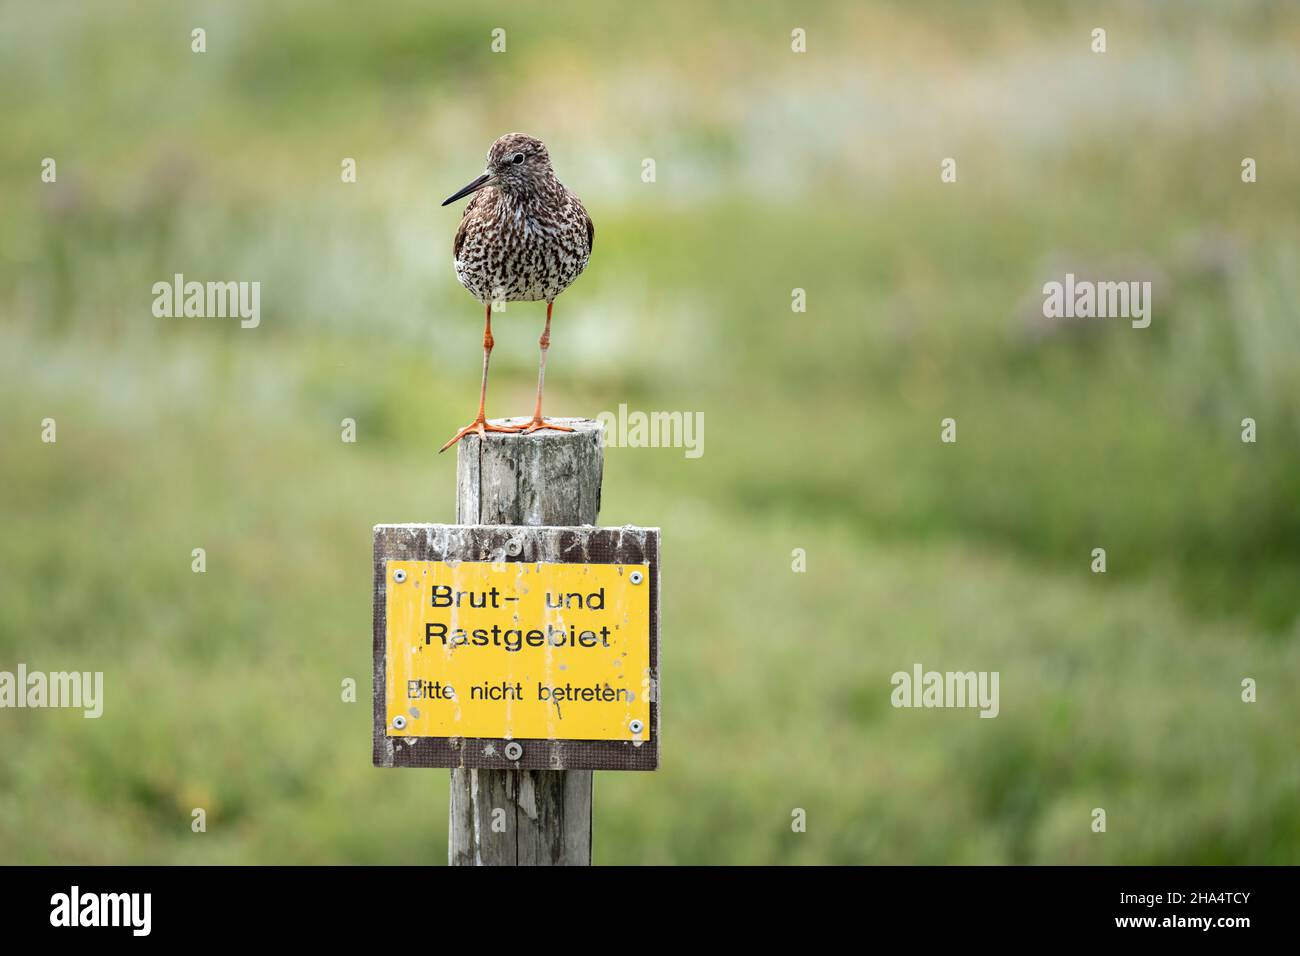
{"points": [[524, 237]]}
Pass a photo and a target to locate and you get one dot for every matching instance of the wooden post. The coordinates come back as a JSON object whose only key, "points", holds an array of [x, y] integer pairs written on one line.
{"points": [[546, 478]]}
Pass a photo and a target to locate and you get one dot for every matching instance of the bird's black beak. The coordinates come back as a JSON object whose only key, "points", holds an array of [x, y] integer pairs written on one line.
{"points": [[473, 187]]}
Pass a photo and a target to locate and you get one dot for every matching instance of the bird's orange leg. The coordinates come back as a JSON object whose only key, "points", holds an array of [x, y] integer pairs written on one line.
{"points": [[538, 421], [480, 424]]}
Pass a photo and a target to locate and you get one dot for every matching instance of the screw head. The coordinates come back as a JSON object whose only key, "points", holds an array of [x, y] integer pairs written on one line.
{"points": [[399, 575], [514, 750], [635, 726], [514, 546], [636, 577], [399, 722]]}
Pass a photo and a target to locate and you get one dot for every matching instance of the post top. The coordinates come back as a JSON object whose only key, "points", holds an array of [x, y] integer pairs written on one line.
{"points": [[579, 424], [540, 478], [582, 427]]}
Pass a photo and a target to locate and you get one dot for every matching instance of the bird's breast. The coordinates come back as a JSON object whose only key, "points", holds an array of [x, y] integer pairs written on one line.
{"points": [[521, 254]]}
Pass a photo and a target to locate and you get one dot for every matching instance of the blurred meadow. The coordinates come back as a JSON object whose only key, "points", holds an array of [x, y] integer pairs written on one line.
{"points": [[775, 171]]}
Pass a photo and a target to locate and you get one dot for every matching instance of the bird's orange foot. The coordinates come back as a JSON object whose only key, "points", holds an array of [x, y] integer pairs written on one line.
{"points": [[481, 427], [539, 422]]}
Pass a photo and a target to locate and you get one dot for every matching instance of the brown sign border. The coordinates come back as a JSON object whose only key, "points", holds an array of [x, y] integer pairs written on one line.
{"points": [[511, 543]]}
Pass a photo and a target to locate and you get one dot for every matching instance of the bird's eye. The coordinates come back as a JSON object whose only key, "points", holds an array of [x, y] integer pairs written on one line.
{"points": [[519, 158]]}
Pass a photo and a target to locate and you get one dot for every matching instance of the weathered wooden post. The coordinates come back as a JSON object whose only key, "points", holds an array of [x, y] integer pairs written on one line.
{"points": [[578, 677], [549, 478]]}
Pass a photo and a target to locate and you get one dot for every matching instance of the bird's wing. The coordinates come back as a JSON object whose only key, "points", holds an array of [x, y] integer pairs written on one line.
{"points": [[460, 232], [591, 227]]}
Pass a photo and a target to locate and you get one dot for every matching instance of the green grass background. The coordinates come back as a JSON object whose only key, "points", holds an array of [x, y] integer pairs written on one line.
{"points": [[774, 171]]}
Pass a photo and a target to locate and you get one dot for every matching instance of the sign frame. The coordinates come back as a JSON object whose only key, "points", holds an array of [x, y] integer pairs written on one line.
{"points": [[511, 543]]}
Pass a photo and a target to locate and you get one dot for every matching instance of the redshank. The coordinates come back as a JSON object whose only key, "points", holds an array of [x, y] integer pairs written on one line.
{"points": [[524, 237]]}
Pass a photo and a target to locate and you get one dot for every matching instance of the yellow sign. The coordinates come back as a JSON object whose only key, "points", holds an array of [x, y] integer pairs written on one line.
{"points": [[513, 650]]}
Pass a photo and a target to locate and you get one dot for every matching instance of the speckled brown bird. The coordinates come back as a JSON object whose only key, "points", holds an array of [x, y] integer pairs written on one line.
{"points": [[524, 237]]}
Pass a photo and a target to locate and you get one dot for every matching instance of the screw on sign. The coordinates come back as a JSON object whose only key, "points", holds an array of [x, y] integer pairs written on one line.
{"points": [[519, 647]]}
